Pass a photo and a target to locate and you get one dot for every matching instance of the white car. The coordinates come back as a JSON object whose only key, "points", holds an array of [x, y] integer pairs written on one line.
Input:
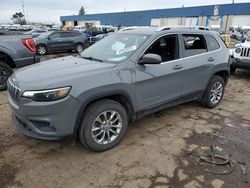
{"points": [[241, 55]]}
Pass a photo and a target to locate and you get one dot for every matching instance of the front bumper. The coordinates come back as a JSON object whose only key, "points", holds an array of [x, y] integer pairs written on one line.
{"points": [[53, 120], [241, 63]]}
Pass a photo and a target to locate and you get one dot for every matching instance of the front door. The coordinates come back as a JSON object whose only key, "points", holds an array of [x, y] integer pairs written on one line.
{"points": [[54, 42], [160, 84]]}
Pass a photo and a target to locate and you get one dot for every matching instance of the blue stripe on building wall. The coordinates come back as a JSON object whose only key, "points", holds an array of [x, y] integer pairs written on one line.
{"points": [[143, 18]]}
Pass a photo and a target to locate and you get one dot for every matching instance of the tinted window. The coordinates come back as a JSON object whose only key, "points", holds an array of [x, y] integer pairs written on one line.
{"points": [[54, 36], [76, 34], [66, 34], [166, 47], [212, 43], [194, 44]]}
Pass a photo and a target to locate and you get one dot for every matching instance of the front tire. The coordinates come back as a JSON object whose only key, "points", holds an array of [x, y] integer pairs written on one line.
{"points": [[214, 92], [5, 73], [41, 49], [104, 125]]}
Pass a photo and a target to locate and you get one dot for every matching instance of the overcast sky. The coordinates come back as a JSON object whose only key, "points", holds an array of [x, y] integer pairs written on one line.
{"points": [[49, 11]]}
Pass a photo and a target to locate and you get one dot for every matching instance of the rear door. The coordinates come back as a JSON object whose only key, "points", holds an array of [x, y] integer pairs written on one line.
{"points": [[198, 62], [160, 84], [67, 40]]}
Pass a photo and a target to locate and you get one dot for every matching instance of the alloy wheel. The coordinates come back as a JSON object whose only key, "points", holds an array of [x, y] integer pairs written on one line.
{"points": [[216, 92], [41, 50], [106, 127]]}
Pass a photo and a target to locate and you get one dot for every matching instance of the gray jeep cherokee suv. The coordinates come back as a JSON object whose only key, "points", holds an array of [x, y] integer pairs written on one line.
{"points": [[125, 76]]}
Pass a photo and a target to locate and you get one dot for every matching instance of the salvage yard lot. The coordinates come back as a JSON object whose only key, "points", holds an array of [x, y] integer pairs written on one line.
{"points": [[152, 153]]}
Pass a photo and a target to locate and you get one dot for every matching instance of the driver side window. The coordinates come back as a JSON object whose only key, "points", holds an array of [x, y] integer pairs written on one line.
{"points": [[166, 47]]}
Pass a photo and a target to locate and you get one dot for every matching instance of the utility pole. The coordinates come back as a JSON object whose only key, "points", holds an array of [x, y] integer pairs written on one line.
{"points": [[23, 9]]}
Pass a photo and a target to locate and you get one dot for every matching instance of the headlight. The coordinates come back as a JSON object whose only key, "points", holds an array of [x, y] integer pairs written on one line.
{"points": [[238, 50], [47, 95]]}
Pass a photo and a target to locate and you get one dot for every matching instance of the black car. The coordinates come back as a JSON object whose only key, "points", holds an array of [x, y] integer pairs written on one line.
{"points": [[60, 41]]}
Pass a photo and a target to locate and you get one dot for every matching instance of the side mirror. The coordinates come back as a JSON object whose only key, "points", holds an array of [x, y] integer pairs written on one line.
{"points": [[151, 59], [243, 39]]}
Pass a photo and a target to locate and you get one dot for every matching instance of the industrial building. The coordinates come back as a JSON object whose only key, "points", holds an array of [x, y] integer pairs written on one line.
{"points": [[224, 15]]}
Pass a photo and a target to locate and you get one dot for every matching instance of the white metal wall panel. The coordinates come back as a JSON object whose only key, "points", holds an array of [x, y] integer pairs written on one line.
{"points": [[241, 20], [191, 21], [172, 21], [214, 20], [155, 22]]}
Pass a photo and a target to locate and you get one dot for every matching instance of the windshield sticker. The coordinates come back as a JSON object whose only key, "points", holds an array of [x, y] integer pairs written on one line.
{"points": [[125, 50], [118, 46]]}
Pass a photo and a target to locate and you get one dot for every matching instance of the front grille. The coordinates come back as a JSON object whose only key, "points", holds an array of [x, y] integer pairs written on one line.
{"points": [[245, 52], [14, 91]]}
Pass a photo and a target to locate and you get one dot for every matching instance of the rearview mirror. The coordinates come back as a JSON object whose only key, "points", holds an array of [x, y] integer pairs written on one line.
{"points": [[151, 59]]}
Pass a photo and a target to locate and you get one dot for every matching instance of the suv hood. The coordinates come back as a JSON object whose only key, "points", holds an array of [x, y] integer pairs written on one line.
{"points": [[44, 74], [245, 44]]}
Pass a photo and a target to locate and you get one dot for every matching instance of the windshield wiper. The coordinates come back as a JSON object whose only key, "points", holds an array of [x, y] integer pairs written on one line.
{"points": [[92, 59]]}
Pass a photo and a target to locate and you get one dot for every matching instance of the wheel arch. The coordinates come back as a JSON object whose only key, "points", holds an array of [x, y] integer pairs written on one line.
{"points": [[224, 74], [6, 58], [120, 96]]}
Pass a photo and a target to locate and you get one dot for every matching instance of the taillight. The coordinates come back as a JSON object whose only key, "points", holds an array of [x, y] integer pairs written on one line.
{"points": [[30, 44]]}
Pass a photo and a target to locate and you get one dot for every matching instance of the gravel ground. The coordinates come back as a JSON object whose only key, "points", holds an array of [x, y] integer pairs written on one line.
{"points": [[152, 153]]}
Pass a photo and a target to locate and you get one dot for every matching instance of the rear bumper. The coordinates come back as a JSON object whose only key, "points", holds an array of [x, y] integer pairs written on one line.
{"points": [[26, 61], [241, 63]]}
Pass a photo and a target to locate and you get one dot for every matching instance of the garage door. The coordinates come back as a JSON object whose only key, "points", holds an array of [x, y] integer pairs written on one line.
{"points": [[172, 21], [214, 20], [241, 20], [156, 22], [191, 21]]}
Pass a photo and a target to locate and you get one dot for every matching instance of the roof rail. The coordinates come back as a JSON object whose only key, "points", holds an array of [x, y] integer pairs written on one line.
{"points": [[183, 27]]}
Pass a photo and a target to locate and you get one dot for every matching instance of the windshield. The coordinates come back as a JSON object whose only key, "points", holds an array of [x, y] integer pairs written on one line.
{"points": [[115, 48], [44, 35]]}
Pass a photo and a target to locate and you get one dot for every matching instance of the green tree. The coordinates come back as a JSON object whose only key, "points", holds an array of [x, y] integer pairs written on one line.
{"points": [[18, 18], [82, 11]]}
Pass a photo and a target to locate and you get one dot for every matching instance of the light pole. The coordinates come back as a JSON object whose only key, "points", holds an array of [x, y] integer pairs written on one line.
{"points": [[232, 1], [23, 9]]}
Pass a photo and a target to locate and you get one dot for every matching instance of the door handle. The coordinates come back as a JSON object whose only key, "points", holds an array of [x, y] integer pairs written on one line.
{"points": [[176, 67], [211, 59]]}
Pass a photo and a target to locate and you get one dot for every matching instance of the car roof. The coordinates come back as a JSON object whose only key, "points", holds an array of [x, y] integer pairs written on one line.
{"points": [[174, 30]]}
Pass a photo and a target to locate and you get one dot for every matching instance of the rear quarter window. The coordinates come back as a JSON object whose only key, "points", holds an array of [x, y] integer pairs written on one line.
{"points": [[212, 43]]}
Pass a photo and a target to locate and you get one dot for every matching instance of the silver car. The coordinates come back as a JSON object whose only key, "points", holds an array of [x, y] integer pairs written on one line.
{"points": [[122, 78]]}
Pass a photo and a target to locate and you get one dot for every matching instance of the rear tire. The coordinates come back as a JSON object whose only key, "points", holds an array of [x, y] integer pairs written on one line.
{"points": [[79, 48], [214, 92], [41, 49], [5, 72], [104, 125]]}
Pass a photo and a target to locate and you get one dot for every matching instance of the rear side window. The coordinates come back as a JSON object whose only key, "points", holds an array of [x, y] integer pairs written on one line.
{"points": [[194, 45], [66, 34], [76, 34], [212, 43]]}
